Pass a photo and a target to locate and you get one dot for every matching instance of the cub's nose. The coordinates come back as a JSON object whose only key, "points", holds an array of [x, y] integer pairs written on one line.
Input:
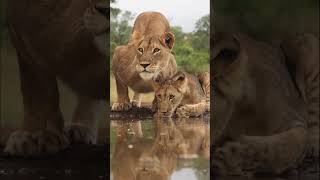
{"points": [[145, 65]]}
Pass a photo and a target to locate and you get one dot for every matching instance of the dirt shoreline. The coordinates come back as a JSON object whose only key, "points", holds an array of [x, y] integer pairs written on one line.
{"points": [[80, 162], [74, 164]]}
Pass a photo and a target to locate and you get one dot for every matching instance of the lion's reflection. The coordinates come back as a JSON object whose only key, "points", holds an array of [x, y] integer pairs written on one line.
{"points": [[141, 156]]}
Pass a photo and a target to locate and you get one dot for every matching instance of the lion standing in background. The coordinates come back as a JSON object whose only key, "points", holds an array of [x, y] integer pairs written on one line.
{"points": [[143, 59]]}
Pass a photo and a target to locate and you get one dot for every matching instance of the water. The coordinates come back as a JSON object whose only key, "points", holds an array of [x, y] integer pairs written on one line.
{"points": [[152, 149]]}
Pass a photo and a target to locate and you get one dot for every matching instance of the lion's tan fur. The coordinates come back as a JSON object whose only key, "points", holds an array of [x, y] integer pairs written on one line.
{"points": [[151, 30], [53, 41], [184, 92], [257, 103], [157, 159]]}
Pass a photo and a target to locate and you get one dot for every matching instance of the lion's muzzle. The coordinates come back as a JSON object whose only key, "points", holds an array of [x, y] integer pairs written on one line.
{"points": [[144, 65], [146, 70]]}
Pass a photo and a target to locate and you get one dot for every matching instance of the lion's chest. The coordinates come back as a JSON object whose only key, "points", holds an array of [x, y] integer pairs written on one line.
{"points": [[141, 86]]}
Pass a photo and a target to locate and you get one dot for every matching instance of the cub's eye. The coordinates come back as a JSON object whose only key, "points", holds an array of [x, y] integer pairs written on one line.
{"points": [[140, 50], [171, 97], [156, 50], [159, 96]]}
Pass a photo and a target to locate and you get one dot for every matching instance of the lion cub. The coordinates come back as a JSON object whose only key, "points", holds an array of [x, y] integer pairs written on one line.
{"points": [[187, 94]]}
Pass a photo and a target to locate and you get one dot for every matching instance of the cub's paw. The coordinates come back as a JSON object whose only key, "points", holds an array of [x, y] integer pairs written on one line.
{"points": [[121, 106], [80, 134], [184, 111], [43, 142]]}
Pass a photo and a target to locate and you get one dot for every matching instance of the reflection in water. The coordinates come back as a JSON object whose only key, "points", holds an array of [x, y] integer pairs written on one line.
{"points": [[160, 149]]}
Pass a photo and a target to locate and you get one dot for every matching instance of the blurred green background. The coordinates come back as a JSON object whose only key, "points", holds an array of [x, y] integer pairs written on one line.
{"points": [[271, 20], [191, 49]]}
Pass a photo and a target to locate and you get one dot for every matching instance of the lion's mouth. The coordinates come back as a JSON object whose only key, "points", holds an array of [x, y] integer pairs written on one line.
{"points": [[146, 75]]}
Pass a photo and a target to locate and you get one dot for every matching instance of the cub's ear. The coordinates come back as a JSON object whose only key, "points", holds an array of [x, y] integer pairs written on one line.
{"points": [[179, 77], [168, 39], [180, 81]]}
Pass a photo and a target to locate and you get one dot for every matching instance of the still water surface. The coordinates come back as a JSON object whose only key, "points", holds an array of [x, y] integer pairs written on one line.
{"points": [[156, 149]]}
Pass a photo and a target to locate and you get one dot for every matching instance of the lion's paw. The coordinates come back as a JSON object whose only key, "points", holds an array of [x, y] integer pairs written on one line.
{"points": [[80, 134], [24, 143], [121, 106], [183, 111], [136, 104]]}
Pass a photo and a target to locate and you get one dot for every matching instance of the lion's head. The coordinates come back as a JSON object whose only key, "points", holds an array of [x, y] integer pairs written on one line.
{"points": [[153, 54], [169, 93]]}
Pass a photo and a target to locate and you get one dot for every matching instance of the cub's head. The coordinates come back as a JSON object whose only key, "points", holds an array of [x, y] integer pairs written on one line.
{"points": [[153, 54], [170, 92]]}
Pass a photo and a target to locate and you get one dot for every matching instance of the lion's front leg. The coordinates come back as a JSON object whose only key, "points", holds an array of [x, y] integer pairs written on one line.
{"points": [[42, 131], [136, 100], [275, 154], [123, 101], [84, 125], [191, 110]]}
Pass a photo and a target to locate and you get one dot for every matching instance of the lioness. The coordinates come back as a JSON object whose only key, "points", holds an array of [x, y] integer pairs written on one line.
{"points": [[266, 103], [185, 93], [148, 54], [54, 39]]}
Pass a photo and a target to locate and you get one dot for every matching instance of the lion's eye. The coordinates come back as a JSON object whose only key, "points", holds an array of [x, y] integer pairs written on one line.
{"points": [[171, 97], [156, 50], [140, 50]]}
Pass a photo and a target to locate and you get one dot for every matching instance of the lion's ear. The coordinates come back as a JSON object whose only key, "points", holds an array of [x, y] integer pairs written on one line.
{"points": [[224, 44], [226, 53], [168, 39], [180, 81]]}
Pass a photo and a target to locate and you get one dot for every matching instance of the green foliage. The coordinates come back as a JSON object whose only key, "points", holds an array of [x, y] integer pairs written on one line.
{"points": [[120, 30], [201, 35], [3, 27], [191, 52], [267, 20]]}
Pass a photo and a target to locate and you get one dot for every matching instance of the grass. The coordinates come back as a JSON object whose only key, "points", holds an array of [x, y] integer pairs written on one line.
{"points": [[113, 92]]}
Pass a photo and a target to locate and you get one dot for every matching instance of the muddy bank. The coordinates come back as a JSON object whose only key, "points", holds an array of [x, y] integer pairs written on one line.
{"points": [[308, 170], [143, 112], [80, 162]]}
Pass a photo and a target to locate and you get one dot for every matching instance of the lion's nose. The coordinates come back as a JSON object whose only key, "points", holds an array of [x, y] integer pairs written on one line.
{"points": [[145, 65]]}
